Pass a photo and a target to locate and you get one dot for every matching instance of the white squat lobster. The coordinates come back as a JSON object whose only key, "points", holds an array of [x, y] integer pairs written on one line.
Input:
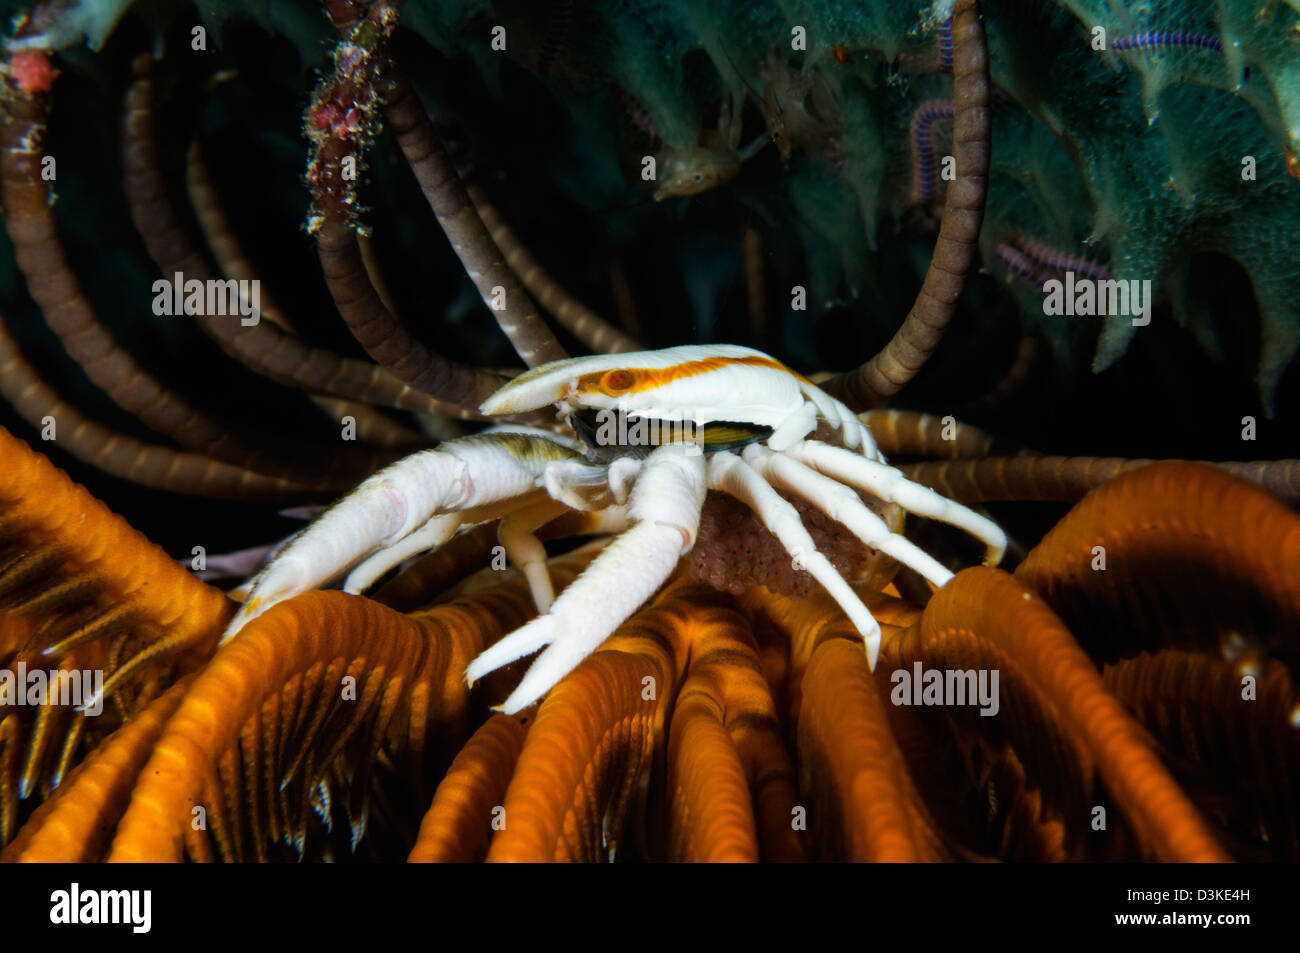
{"points": [[715, 400]]}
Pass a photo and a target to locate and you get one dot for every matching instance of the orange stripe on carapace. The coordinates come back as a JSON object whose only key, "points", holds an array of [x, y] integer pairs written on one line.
{"points": [[635, 380]]}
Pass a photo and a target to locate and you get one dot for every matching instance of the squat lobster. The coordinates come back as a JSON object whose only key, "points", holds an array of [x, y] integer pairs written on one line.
{"points": [[740, 425]]}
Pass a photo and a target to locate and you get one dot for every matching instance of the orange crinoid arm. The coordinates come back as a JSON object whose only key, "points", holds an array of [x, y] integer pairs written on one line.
{"points": [[261, 727], [1229, 550], [42, 507], [731, 781], [990, 611], [87, 591], [593, 737], [74, 825], [458, 825]]}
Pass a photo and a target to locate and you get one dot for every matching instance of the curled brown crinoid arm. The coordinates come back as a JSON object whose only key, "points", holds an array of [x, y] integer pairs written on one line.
{"points": [[289, 358], [337, 384], [340, 123], [583, 323], [954, 251], [161, 468], [1068, 479], [909, 433], [366, 40], [266, 347], [501, 290], [33, 230], [1065, 479], [170, 247]]}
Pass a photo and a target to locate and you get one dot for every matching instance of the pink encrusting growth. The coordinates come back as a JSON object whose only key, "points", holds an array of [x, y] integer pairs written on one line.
{"points": [[332, 119], [32, 71], [340, 123]]}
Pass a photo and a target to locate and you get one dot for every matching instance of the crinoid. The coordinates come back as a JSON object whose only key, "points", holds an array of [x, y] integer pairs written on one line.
{"points": [[763, 640]]}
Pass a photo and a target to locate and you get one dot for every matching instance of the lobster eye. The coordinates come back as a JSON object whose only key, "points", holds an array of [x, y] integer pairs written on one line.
{"points": [[617, 382]]}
